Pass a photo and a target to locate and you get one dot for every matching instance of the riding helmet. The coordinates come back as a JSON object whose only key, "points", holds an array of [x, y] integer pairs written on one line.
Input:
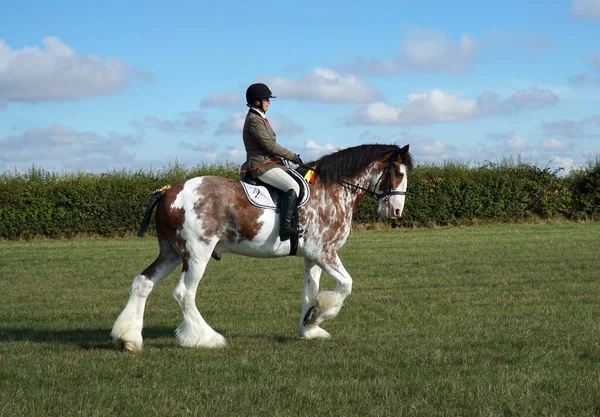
{"points": [[258, 91]]}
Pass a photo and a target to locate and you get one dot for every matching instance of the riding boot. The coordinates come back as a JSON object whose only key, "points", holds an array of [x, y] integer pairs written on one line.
{"points": [[288, 205]]}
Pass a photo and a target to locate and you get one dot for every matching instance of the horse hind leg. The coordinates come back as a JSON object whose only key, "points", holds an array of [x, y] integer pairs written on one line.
{"points": [[194, 331], [127, 330]]}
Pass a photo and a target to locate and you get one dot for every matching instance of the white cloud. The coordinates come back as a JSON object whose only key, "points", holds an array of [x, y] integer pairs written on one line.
{"points": [[155, 122], [564, 128], [582, 80], [437, 106], [571, 128], [224, 99], [56, 72], [567, 164], [551, 144], [374, 66], [431, 50], [430, 147], [189, 121], [586, 9], [579, 79], [324, 85], [511, 143], [427, 149], [200, 146], [235, 155], [231, 155], [499, 147], [60, 147], [233, 125], [193, 120], [523, 39], [529, 99], [283, 126], [370, 137], [591, 154], [515, 143], [313, 150]]}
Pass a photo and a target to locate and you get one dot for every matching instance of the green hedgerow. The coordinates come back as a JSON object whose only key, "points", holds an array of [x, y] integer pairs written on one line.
{"points": [[43, 203]]}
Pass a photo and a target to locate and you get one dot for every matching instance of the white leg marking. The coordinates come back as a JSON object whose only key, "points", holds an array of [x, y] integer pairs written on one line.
{"points": [[327, 304], [194, 331], [128, 326], [312, 276]]}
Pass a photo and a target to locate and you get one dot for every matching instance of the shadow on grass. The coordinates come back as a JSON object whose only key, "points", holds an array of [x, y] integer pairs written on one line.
{"points": [[100, 338], [84, 338], [277, 338]]}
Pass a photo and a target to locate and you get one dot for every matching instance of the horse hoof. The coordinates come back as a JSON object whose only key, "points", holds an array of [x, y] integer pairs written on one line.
{"points": [[315, 332], [126, 346], [130, 346]]}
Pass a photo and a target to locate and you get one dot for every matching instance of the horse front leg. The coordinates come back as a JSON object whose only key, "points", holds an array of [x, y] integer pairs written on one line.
{"points": [[326, 304], [312, 276]]}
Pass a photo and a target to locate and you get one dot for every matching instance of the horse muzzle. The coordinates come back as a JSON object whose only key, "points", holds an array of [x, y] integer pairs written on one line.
{"points": [[391, 211]]}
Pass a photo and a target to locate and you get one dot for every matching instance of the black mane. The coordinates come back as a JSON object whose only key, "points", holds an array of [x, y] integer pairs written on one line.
{"points": [[350, 161]]}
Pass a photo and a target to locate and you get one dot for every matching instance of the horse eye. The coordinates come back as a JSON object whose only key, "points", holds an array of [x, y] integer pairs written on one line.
{"points": [[399, 174]]}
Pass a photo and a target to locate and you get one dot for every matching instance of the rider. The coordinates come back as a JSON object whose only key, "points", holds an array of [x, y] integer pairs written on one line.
{"points": [[264, 156]]}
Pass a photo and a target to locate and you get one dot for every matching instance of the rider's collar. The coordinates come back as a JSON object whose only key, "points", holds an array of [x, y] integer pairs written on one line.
{"points": [[258, 111]]}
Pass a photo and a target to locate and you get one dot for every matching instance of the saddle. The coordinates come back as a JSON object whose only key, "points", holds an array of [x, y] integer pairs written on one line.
{"points": [[268, 197]]}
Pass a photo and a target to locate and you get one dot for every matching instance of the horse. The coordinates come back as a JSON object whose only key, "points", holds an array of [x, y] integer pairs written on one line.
{"points": [[208, 216]]}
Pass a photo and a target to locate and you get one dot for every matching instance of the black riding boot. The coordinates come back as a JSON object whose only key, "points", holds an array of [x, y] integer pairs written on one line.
{"points": [[288, 205]]}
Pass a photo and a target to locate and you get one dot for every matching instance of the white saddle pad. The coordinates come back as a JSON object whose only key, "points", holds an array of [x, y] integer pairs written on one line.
{"points": [[259, 196]]}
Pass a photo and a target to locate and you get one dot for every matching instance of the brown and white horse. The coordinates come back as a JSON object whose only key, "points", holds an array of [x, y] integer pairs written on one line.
{"points": [[211, 215]]}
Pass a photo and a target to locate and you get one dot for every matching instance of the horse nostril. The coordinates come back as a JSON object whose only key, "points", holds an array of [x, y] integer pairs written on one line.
{"points": [[397, 212]]}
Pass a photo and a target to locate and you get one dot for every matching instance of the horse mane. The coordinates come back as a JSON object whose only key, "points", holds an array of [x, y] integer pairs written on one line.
{"points": [[350, 161]]}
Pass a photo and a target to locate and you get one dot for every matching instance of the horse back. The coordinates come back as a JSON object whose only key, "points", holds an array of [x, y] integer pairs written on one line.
{"points": [[208, 207]]}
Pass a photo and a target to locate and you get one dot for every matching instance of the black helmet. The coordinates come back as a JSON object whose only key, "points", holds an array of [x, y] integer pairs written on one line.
{"points": [[258, 91]]}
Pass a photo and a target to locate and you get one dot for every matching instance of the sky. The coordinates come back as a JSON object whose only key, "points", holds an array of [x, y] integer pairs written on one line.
{"points": [[99, 86]]}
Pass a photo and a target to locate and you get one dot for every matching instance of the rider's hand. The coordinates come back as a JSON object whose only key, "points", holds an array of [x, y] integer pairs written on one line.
{"points": [[297, 160]]}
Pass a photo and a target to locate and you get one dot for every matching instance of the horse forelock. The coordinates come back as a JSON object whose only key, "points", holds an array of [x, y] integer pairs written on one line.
{"points": [[349, 162]]}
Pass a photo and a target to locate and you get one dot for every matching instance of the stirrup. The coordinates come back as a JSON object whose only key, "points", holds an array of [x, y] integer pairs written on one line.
{"points": [[289, 233]]}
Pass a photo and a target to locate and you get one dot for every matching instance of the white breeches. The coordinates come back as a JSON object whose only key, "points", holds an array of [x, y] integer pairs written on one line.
{"points": [[278, 178]]}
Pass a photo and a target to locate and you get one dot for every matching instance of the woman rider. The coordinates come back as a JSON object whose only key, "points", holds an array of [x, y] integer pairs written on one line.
{"points": [[264, 156]]}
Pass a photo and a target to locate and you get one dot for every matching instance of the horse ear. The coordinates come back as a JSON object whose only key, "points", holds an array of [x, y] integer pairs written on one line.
{"points": [[404, 150]]}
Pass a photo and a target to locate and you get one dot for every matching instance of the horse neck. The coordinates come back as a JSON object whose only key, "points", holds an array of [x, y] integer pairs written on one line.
{"points": [[344, 195]]}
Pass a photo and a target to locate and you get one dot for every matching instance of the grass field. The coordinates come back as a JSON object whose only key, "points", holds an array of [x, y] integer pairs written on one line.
{"points": [[499, 320]]}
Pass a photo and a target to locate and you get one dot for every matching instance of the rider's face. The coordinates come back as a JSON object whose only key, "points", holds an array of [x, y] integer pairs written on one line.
{"points": [[264, 104]]}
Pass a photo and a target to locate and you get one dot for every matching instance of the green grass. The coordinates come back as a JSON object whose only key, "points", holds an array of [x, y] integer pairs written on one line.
{"points": [[498, 320]]}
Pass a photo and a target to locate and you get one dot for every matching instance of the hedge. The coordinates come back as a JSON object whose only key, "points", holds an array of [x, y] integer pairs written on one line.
{"points": [[43, 203]]}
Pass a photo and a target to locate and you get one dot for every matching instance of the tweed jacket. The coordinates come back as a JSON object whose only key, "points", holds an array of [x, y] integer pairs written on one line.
{"points": [[261, 145]]}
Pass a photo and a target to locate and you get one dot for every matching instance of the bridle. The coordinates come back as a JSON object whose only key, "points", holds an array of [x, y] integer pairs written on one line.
{"points": [[388, 192]]}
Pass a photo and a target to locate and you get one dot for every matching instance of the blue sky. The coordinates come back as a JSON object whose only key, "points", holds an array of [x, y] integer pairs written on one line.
{"points": [[97, 86]]}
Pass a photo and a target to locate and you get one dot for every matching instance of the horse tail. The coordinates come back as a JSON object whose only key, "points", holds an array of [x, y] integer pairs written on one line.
{"points": [[155, 197]]}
